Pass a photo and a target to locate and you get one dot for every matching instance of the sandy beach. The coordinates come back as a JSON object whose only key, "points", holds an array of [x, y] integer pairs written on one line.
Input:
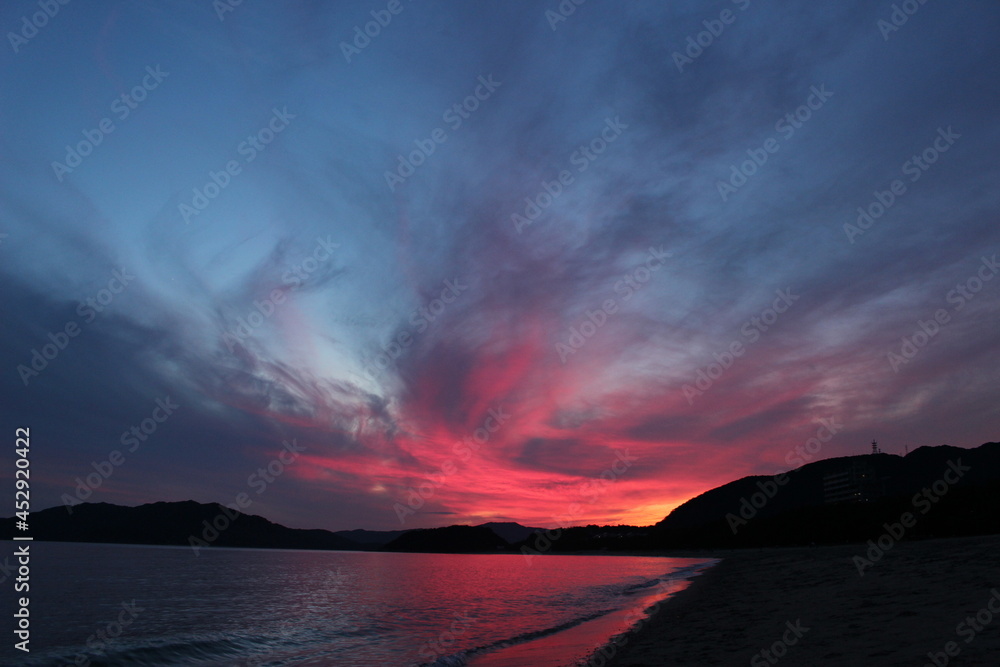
{"points": [[810, 606]]}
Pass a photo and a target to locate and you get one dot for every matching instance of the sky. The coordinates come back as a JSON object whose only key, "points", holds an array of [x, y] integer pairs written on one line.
{"points": [[409, 264]]}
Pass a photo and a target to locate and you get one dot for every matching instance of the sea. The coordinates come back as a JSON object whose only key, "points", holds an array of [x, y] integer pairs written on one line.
{"points": [[109, 604]]}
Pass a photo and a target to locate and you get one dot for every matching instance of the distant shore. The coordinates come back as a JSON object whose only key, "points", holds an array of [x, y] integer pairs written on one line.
{"points": [[810, 606]]}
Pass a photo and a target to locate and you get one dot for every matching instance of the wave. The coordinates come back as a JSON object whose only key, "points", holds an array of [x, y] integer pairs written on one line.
{"points": [[680, 574], [460, 658], [159, 652], [450, 660]]}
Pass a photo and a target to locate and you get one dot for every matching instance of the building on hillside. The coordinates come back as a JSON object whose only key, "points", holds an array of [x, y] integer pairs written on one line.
{"points": [[856, 482]]}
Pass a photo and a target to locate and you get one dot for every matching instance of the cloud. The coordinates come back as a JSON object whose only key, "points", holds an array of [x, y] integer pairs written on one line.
{"points": [[380, 326]]}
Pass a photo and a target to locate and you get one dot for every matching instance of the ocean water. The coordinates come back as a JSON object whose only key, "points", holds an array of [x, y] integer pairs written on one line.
{"points": [[103, 604]]}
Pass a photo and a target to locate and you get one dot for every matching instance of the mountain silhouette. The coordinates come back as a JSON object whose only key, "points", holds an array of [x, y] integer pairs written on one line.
{"points": [[370, 538], [184, 523], [451, 540], [949, 491]]}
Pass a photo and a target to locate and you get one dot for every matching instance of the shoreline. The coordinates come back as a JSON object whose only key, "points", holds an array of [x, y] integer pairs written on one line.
{"points": [[575, 642], [811, 605]]}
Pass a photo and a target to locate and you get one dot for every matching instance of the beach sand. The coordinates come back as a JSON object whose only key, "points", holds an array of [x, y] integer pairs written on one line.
{"points": [[912, 601]]}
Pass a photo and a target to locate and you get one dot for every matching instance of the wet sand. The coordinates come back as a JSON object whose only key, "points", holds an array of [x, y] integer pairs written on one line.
{"points": [[810, 606]]}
